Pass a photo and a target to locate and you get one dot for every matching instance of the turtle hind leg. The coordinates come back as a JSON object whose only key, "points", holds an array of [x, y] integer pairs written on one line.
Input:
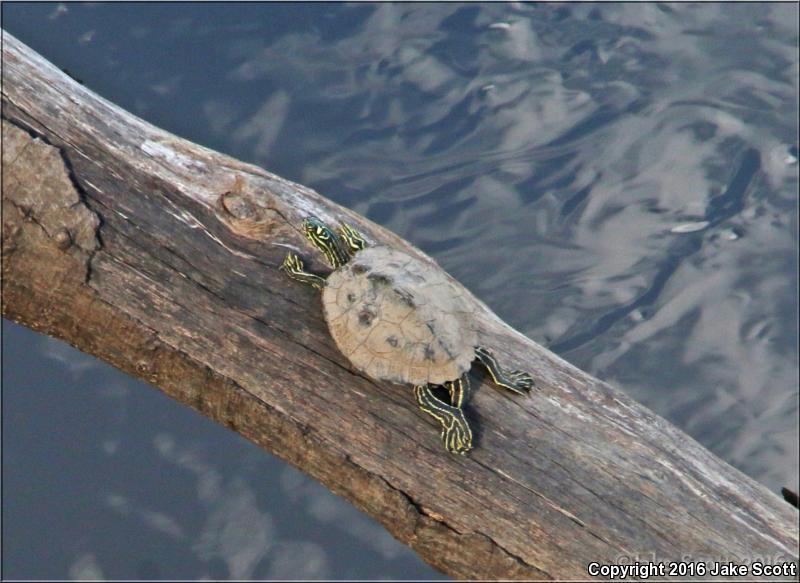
{"points": [[293, 267], [459, 391], [456, 434], [517, 381]]}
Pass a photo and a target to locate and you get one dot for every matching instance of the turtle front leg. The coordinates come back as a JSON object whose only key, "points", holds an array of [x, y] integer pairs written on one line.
{"points": [[293, 267], [355, 242], [456, 434], [517, 381]]}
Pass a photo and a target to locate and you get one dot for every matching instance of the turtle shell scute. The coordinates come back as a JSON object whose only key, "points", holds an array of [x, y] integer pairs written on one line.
{"points": [[399, 319]]}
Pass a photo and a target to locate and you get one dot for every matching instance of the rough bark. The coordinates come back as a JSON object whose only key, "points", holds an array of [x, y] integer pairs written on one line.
{"points": [[161, 257]]}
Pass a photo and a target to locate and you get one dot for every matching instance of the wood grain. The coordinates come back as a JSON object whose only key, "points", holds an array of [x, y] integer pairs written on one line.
{"points": [[161, 257]]}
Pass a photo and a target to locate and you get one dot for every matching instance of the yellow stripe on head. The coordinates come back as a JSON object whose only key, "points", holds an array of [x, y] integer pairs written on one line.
{"points": [[327, 241]]}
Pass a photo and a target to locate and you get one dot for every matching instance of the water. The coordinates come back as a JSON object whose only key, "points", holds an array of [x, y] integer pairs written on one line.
{"points": [[618, 181]]}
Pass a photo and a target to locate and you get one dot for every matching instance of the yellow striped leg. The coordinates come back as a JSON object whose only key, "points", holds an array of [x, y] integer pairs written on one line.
{"points": [[293, 267], [456, 434], [355, 242], [517, 381], [459, 391]]}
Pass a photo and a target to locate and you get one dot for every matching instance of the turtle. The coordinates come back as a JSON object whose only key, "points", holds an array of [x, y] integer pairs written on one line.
{"points": [[397, 318]]}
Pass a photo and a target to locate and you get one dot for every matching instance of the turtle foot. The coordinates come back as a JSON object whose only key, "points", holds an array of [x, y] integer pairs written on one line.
{"points": [[458, 436]]}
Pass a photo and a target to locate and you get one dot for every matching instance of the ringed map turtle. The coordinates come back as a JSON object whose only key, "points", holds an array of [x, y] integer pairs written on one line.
{"points": [[399, 319]]}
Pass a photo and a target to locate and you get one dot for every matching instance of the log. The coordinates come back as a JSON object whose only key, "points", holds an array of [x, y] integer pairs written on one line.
{"points": [[161, 257]]}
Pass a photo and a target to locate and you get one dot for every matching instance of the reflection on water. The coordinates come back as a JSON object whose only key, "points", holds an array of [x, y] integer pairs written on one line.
{"points": [[618, 181]]}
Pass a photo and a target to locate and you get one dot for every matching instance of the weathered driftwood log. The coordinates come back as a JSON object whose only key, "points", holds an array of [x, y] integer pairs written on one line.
{"points": [[161, 257]]}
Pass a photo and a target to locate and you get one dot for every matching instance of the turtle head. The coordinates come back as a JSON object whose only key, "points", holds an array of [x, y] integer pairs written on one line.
{"points": [[326, 240]]}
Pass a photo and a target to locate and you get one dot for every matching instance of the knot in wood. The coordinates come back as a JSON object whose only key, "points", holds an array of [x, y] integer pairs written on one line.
{"points": [[239, 207], [63, 239]]}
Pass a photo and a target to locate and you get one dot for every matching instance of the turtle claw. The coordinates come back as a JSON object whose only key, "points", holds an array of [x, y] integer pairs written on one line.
{"points": [[457, 436], [293, 267], [521, 379], [517, 381], [292, 263]]}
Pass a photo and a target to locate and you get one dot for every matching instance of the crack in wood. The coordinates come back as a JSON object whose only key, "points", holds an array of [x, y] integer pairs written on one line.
{"points": [[636, 464]]}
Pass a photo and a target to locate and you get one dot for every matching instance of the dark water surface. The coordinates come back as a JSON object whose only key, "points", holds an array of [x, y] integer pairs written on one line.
{"points": [[618, 181]]}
